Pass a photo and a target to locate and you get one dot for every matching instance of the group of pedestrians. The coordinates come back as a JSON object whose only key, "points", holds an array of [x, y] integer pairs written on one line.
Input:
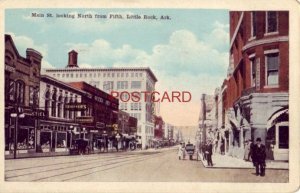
{"points": [[255, 152]]}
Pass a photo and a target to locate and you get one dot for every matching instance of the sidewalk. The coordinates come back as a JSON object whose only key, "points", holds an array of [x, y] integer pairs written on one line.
{"points": [[225, 161]]}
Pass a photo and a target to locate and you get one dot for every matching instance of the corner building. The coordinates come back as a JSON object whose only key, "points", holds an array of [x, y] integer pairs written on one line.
{"points": [[135, 79], [257, 85]]}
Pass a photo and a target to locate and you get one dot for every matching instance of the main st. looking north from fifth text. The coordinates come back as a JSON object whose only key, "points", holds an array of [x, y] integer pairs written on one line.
{"points": [[101, 16]]}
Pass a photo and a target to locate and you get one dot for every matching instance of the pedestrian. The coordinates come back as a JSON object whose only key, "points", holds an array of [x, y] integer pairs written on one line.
{"points": [[259, 157], [222, 148], [247, 150], [181, 152], [208, 152], [203, 149]]}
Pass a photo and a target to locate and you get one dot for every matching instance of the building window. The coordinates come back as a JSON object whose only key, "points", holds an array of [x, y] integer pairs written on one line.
{"points": [[136, 74], [283, 135], [108, 85], [91, 75], [118, 74], [141, 74], [126, 74], [47, 101], [31, 95], [253, 71], [122, 74], [271, 21], [80, 75], [53, 105], [76, 75], [59, 106], [272, 61], [112, 74], [63, 75], [108, 74], [71, 75], [85, 75], [20, 92], [66, 112], [253, 24], [11, 95], [122, 84], [136, 84]]}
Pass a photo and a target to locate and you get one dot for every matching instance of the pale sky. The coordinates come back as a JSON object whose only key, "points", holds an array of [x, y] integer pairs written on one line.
{"points": [[187, 53]]}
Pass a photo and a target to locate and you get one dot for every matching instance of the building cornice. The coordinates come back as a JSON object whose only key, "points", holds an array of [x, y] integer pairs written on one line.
{"points": [[254, 43], [147, 69]]}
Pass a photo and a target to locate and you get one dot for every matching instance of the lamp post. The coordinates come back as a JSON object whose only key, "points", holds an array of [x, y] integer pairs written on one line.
{"points": [[18, 114]]}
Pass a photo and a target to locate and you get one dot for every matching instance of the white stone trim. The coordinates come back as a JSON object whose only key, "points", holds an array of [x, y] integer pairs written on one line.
{"points": [[271, 51], [251, 56], [236, 29], [265, 41]]}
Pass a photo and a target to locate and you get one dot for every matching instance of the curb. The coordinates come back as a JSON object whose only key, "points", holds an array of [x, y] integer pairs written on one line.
{"points": [[223, 167]]}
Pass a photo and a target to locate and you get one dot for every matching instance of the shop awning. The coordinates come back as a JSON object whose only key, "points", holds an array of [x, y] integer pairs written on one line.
{"points": [[281, 115], [234, 122], [245, 124]]}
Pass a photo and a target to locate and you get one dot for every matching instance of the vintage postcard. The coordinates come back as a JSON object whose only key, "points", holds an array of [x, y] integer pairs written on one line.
{"points": [[148, 97]]}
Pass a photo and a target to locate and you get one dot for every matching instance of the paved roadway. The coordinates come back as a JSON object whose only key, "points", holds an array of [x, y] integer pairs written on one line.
{"points": [[137, 166]]}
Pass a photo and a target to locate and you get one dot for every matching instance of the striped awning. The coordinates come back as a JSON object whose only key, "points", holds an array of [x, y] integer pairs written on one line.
{"points": [[280, 115]]}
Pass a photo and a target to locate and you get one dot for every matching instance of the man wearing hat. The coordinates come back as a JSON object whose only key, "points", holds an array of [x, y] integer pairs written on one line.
{"points": [[259, 157]]}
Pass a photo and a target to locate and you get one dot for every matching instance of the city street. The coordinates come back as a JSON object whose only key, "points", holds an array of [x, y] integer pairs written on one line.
{"points": [[136, 166]]}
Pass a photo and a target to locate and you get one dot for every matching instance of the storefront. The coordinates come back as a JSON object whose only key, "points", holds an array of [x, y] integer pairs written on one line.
{"points": [[56, 136], [278, 134]]}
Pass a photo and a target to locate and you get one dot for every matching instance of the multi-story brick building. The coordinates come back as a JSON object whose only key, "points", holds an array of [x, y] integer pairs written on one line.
{"points": [[257, 85], [119, 80], [22, 80]]}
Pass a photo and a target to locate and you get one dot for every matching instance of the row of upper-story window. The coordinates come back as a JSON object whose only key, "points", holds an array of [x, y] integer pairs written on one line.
{"points": [[15, 91], [271, 68], [133, 106], [271, 23], [116, 85], [73, 74], [136, 115]]}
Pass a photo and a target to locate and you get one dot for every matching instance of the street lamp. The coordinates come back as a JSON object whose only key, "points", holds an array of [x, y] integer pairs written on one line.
{"points": [[18, 114]]}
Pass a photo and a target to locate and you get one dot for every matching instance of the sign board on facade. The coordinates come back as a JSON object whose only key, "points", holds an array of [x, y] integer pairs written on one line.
{"points": [[75, 106], [100, 125], [84, 119]]}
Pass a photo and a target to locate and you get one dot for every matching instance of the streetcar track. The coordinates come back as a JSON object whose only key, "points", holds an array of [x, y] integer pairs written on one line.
{"points": [[90, 162], [105, 169], [98, 166], [9, 170]]}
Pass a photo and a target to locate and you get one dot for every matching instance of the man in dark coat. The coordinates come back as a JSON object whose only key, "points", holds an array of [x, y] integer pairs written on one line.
{"points": [[259, 157], [208, 153]]}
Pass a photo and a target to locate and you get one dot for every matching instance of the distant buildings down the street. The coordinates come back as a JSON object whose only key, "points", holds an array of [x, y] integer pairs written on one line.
{"points": [[253, 100], [137, 79]]}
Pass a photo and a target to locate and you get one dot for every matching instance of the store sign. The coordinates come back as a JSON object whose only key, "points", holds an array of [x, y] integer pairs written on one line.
{"points": [[93, 131], [100, 125], [10, 68], [75, 106], [84, 119]]}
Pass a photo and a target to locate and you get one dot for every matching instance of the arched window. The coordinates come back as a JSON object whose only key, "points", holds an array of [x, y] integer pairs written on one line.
{"points": [[53, 105], [66, 112], [71, 113], [20, 92], [59, 106], [47, 102]]}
